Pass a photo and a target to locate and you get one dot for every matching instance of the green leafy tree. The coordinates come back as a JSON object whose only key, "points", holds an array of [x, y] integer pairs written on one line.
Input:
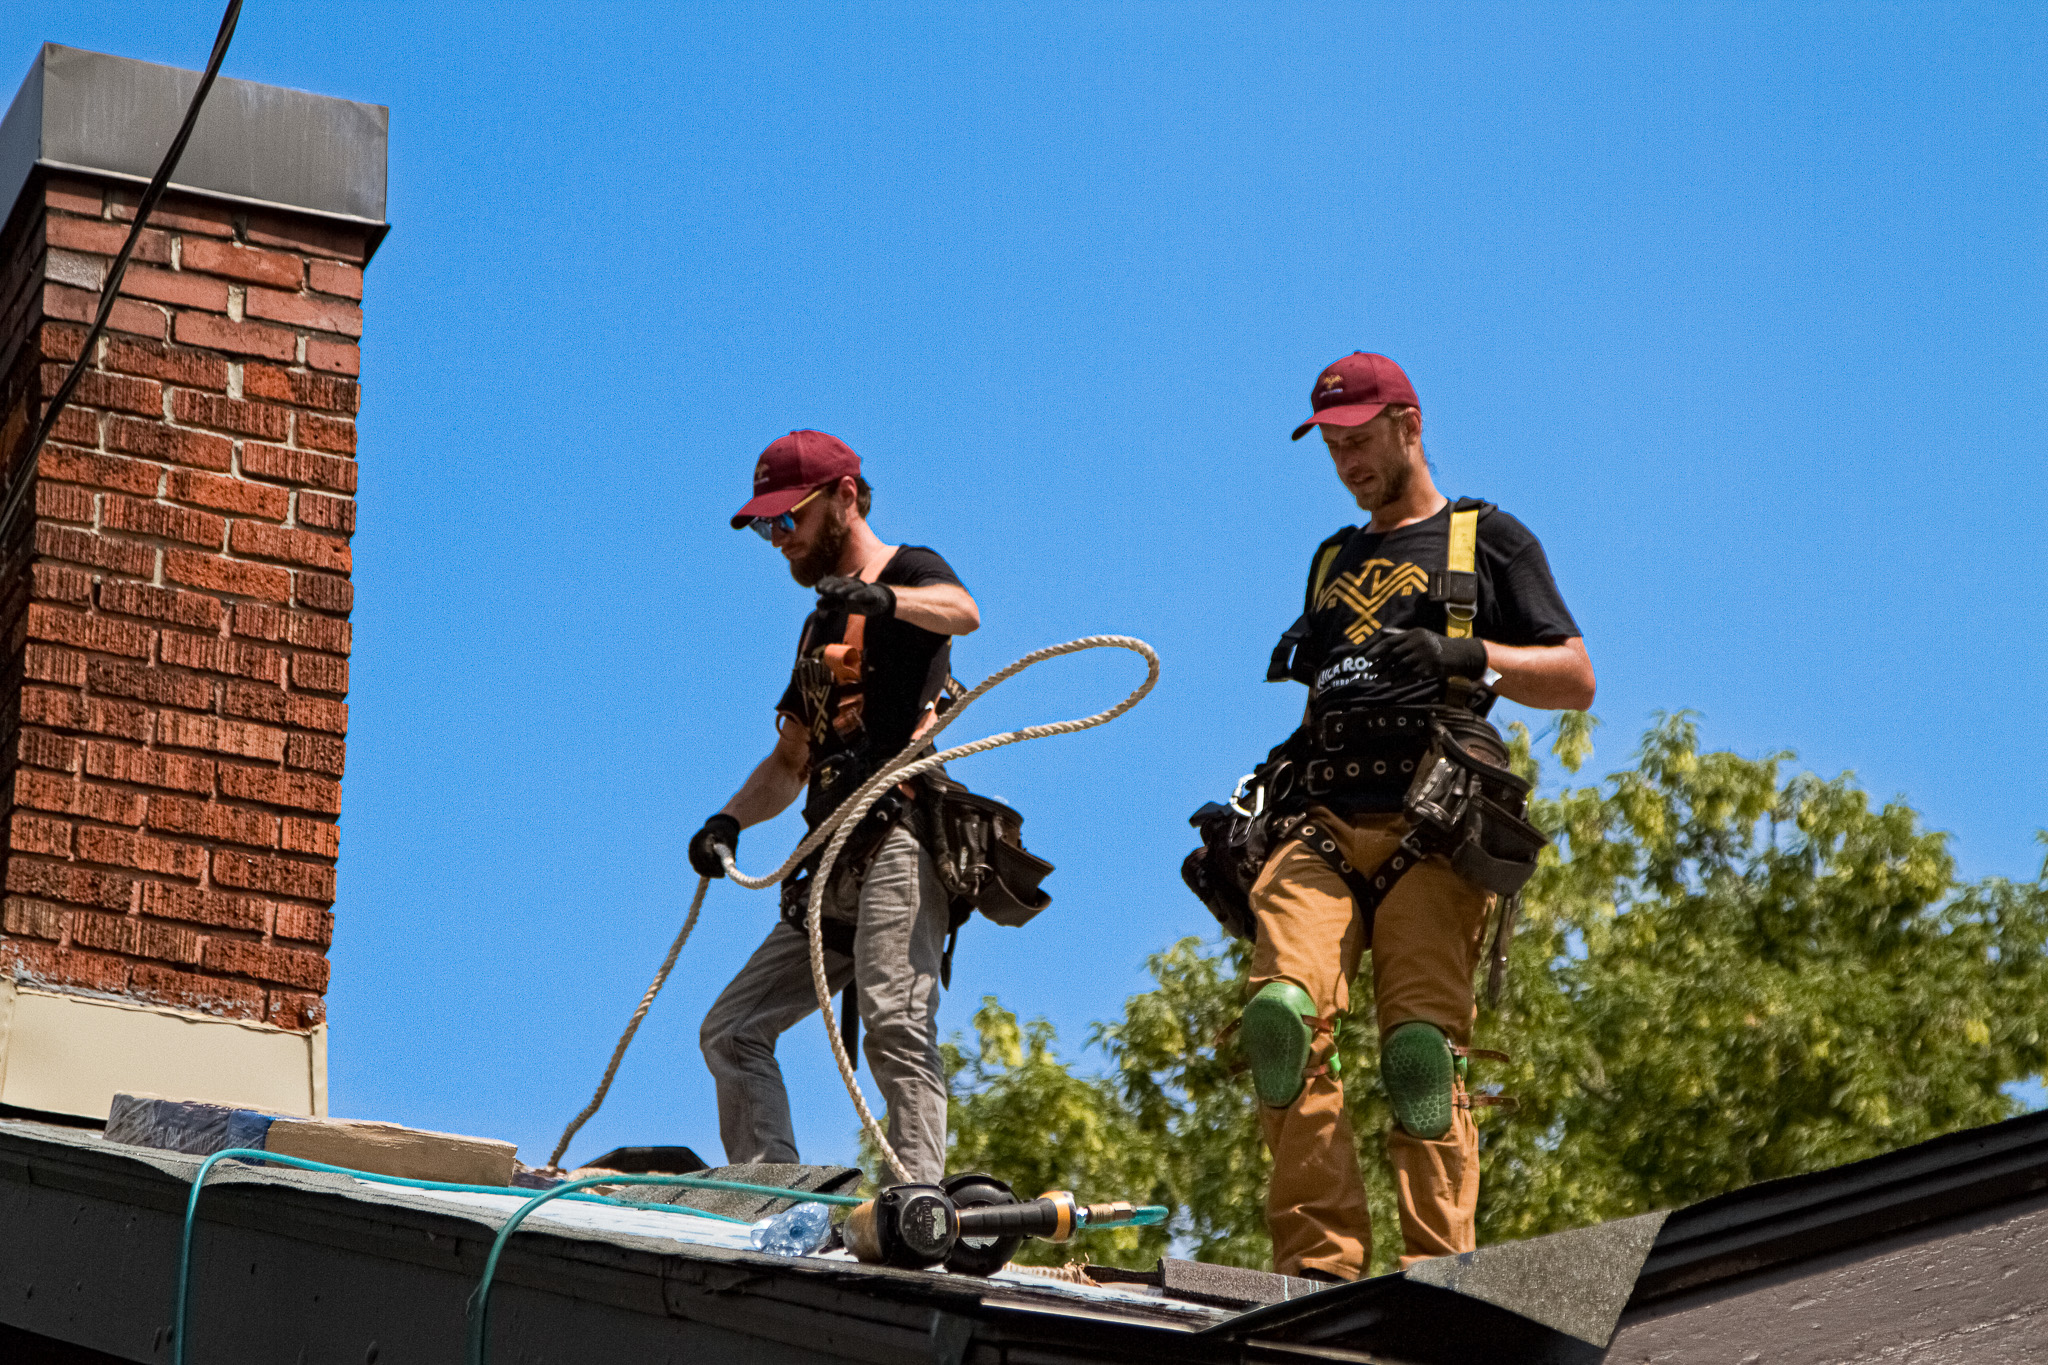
{"points": [[1721, 975]]}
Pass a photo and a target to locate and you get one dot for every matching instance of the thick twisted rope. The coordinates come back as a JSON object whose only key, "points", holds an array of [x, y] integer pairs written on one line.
{"points": [[633, 1025], [840, 824]]}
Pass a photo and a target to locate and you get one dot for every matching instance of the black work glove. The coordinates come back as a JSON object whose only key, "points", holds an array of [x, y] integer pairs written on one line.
{"points": [[719, 829], [850, 594], [1428, 655]]}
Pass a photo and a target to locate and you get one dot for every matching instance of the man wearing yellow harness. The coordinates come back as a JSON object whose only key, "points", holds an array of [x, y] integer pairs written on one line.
{"points": [[1410, 627]]}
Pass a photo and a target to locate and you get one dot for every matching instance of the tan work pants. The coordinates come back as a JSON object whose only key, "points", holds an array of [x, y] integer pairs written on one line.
{"points": [[1425, 945]]}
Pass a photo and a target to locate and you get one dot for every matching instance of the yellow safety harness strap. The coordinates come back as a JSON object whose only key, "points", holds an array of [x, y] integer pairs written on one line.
{"points": [[1463, 552]]}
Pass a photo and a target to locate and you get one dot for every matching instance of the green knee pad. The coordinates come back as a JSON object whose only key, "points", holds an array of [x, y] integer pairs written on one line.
{"points": [[1276, 1041], [1417, 1067]]}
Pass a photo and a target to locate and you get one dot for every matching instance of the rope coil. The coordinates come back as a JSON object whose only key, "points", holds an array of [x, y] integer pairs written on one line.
{"points": [[838, 826]]}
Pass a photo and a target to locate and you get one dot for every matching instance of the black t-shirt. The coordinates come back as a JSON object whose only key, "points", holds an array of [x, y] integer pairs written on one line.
{"points": [[1380, 579], [903, 670], [1363, 582]]}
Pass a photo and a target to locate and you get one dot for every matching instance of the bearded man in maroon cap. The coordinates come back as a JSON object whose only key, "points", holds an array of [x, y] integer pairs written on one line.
{"points": [[872, 660], [1394, 826]]}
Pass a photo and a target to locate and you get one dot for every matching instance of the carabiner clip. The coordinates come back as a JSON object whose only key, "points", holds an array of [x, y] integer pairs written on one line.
{"points": [[1237, 796]]}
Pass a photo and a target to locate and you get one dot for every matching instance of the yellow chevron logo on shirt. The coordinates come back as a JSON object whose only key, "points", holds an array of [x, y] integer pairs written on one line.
{"points": [[1375, 583]]}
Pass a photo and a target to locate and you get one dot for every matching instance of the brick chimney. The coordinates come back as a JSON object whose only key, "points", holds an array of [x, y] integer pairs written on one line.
{"points": [[174, 585]]}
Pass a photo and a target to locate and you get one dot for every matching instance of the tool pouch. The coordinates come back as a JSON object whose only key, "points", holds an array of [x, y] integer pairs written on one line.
{"points": [[977, 848], [1236, 842], [1474, 809]]}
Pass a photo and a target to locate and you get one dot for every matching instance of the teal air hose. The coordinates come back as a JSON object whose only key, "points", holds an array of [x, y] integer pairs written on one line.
{"points": [[480, 1299]]}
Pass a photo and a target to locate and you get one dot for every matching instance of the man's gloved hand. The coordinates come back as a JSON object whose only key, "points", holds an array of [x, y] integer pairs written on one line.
{"points": [[850, 594], [719, 829], [1426, 654]]}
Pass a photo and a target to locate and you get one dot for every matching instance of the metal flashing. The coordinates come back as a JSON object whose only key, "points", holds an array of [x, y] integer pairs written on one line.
{"points": [[259, 146]]}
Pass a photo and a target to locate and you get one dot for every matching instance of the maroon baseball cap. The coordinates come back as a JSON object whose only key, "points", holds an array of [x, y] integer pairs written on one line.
{"points": [[790, 468], [1355, 390]]}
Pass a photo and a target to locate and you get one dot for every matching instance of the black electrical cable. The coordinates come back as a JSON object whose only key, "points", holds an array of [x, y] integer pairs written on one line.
{"points": [[112, 289]]}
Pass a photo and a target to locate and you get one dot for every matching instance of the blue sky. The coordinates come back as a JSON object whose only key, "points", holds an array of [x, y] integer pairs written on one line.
{"points": [[1739, 307]]}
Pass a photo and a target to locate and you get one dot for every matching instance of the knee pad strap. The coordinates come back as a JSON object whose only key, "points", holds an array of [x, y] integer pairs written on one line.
{"points": [[1418, 1069], [1277, 1036]]}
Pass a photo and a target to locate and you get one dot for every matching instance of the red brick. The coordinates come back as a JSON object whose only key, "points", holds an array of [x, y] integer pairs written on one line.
{"points": [[98, 389], [230, 414], [155, 441], [32, 919], [340, 357], [102, 238], [55, 341], [296, 1010], [103, 552], [125, 848], [318, 673], [39, 834], [323, 433], [63, 502], [109, 805], [230, 495], [305, 924], [323, 592], [72, 885], [311, 836], [194, 906], [47, 664], [87, 632], [329, 514], [294, 547], [175, 212], [118, 718], [45, 791], [174, 287], [243, 263], [189, 990], [331, 277], [212, 655], [101, 471], [298, 466], [203, 529], [177, 730], [121, 763], [259, 622], [300, 791], [318, 632], [257, 702], [321, 753], [84, 971], [317, 713], [150, 684], [109, 933], [217, 574], [154, 360], [80, 426], [237, 338], [39, 748], [81, 305], [301, 310], [75, 196], [55, 583], [299, 388], [167, 943], [161, 604], [287, 966], [61, 710], [28, 961], [305, 234], [208, 820]]}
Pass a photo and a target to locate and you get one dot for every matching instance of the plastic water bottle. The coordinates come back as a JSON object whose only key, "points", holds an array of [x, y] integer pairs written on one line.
{"points": [[797, 1231]]}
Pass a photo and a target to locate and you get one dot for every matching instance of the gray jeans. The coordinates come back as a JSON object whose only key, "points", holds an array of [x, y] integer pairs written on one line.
{"points": [[899, 935]]}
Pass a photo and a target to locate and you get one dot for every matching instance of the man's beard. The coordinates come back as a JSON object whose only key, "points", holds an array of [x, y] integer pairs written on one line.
{"points": [[1391, 486], [822, 559]]}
